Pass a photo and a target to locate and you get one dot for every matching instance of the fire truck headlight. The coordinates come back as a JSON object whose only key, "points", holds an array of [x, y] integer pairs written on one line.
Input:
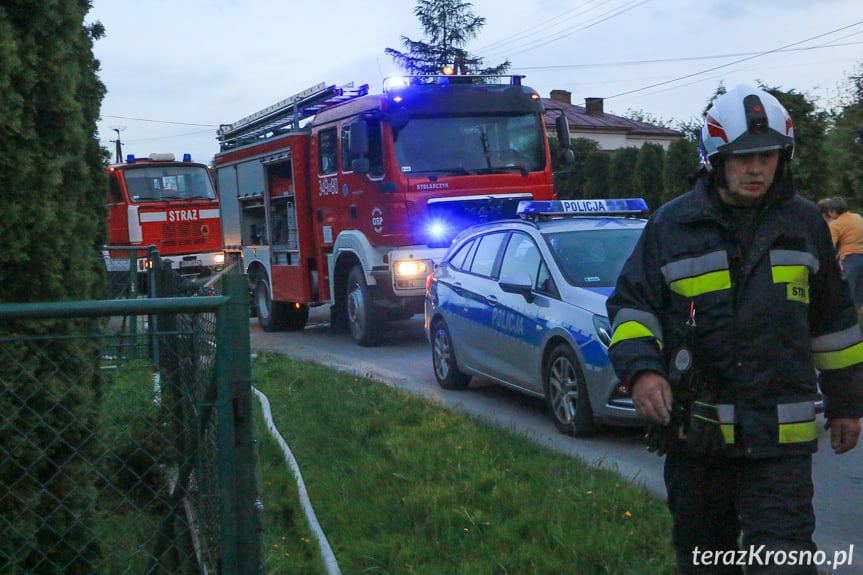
{"points": [[411, 268], [219, 259]]}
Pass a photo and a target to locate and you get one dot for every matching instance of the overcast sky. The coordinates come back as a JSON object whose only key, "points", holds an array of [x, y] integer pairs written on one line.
{"points": [[176, 69]]}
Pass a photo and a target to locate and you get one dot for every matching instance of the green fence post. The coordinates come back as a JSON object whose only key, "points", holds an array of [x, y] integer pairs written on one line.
{"points": [[225, 439], [248, 528], [237, 450]]}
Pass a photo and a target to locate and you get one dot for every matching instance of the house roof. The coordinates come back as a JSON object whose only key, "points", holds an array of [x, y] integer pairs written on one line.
{"points": [[581, 121]]}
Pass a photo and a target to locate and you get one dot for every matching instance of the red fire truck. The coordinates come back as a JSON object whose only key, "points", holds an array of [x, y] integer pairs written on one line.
{"points": [[158, 201], [337, 196]]}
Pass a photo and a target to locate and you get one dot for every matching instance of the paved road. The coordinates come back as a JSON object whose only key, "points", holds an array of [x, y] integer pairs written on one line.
{"points": [[403, 360]]}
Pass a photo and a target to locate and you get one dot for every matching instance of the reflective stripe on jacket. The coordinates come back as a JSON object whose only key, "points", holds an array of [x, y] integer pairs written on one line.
{"points": [[764, 321]]}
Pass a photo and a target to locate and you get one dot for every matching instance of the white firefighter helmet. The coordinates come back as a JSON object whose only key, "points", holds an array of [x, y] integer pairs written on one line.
{"points": [[743, 121]]}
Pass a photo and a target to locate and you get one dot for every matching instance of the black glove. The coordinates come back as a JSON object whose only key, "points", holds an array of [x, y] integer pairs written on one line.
{"points": [[704, 433], [664, 438]]}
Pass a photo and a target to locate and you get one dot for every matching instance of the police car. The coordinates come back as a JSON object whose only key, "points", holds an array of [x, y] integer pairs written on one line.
{"points": [[522, 303]]}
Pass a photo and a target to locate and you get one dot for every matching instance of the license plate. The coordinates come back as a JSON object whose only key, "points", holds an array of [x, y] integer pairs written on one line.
{"points": [[190, 263]]}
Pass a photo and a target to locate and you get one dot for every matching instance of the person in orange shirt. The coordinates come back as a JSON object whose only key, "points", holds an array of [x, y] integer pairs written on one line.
{"points": [[847, 231]]}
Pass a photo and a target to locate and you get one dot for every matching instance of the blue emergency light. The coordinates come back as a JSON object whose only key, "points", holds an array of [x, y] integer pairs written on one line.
{"points": [[395, 82], [608, 207]]}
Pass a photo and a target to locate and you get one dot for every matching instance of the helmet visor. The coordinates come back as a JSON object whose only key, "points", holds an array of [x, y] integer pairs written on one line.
{"points": [[749, 143]]}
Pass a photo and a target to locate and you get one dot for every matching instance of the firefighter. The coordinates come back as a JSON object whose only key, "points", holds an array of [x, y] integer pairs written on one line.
{"points": [[726, 317]]}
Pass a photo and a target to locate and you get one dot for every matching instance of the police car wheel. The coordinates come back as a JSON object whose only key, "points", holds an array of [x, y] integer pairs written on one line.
{"points": [[566, 394], [366, 325], [446, 369]]}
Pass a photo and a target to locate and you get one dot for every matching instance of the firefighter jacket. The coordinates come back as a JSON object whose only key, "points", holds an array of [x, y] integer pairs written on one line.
{"points": [[772, 321]]}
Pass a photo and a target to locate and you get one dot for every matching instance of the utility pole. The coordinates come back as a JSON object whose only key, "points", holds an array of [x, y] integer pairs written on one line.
{"points": [[119, 144]]}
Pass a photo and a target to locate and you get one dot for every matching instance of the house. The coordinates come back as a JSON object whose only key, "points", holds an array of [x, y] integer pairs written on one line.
{"points": [[609, 131]]}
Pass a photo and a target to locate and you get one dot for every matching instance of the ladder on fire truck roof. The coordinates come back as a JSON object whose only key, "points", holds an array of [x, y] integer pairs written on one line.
{"points": [[287, 113]]}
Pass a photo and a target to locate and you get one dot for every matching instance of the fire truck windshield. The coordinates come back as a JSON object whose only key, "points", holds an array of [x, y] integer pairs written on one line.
{"points": [[478, 144], [167, 183]]}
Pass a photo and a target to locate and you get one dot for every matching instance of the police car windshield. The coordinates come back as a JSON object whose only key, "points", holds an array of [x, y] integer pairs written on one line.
{"points": [[168, 183], [592, 258], [471, 144]]}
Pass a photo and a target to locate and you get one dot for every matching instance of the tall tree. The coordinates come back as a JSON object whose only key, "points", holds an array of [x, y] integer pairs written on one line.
{"points": [[681, 162], [596, 174], [843, 147], [809, 167], [52, 196], [448, 25], [647, 179], [620, 173]]}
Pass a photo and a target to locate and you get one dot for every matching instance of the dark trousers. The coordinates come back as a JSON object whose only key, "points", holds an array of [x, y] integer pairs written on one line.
{"points": [[715, 500], [852, 266]]}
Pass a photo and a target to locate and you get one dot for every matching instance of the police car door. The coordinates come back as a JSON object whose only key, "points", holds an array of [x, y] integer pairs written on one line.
{"points": [[516, 335], [469, 306]]}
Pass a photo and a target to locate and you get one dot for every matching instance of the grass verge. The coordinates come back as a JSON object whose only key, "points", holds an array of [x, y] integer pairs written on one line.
{"points": [[403, 486]]}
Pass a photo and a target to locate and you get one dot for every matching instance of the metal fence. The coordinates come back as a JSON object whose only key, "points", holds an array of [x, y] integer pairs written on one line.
{"points": [[126, 433]]}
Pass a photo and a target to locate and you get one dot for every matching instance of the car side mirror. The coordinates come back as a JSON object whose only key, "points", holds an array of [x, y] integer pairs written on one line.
{"points": [[519, 283]]}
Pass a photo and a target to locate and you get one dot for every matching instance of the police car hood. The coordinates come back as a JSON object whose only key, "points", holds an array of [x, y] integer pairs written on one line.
{"points": [[591, 299]]}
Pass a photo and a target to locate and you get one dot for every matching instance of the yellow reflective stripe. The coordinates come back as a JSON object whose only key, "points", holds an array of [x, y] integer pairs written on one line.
{"points": [[648, 320], [728, 433], [798, 432], [839, 359], [791, 274], [632, 330], [709, 282]]}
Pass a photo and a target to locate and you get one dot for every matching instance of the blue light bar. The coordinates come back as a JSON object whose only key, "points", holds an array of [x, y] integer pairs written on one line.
{"points": [[583, 207], [395, 82]]}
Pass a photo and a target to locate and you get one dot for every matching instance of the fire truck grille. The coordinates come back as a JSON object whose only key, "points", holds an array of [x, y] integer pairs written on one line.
{"points": [[182, 234]]}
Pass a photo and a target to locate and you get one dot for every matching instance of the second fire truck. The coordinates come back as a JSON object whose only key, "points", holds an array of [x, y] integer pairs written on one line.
{"points": [[337, 196], [169, 205]]}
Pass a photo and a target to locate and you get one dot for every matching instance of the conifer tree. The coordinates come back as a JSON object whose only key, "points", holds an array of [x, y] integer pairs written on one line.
{"points": [[647, 179], [448, 25], [52, 196], [844, 145]]}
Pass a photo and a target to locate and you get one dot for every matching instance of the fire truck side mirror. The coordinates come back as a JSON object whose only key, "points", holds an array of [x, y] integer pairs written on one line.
{"points": [[359, 142], [567, 156], [563, 136]]}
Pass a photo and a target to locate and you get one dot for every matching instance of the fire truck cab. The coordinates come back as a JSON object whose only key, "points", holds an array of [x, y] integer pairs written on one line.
{"points": [[341, 197], [171, 205]]}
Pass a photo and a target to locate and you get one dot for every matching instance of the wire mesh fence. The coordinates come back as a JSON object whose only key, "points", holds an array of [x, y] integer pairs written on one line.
{"points": [[126, 439]]}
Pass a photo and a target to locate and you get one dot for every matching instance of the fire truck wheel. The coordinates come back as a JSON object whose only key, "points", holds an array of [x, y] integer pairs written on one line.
{"points": [[339, 319], [366, 326], [272, 315]]}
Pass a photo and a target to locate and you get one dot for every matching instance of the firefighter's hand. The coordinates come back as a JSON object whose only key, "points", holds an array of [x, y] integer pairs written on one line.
{"points": [[844, 432], [651, 395]]}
